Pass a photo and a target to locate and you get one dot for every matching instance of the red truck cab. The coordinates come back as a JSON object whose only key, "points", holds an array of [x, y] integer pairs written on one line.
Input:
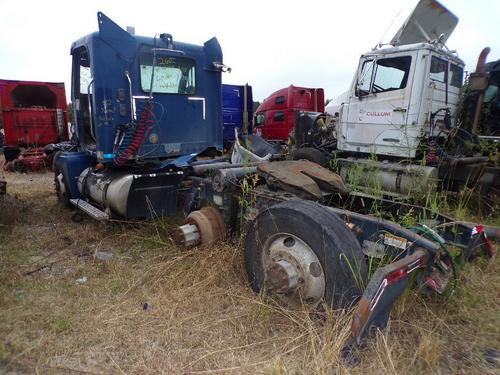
{"points": [[274, 117], [33, 114]]}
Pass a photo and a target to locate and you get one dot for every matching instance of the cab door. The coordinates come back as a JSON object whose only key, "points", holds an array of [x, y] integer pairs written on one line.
{"points": [[445, 79], [378, 108]]}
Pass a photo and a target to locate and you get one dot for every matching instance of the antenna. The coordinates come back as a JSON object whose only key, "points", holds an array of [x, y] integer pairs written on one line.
{"points": [[380, 44]]}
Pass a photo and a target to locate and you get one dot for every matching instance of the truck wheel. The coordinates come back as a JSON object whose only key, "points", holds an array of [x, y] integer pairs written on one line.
{"points": [[62, 188], [11, 153], [311, 154], [300, 251]]}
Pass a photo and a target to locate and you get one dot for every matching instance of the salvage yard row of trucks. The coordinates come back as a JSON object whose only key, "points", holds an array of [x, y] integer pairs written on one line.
{"points": [[148, 134], [35, 114]]}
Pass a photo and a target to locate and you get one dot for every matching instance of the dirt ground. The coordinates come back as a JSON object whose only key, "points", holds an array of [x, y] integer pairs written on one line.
{"points": [[105, 298]]}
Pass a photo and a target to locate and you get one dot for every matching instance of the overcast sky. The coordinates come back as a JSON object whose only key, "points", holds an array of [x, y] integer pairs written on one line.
{"points": [[269, 44]]}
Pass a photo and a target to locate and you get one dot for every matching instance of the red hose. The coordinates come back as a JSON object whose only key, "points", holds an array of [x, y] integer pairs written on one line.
{"points": [[143, 125]]}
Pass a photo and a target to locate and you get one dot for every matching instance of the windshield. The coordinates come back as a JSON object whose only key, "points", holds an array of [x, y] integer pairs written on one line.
{"points": [[390, 74]]}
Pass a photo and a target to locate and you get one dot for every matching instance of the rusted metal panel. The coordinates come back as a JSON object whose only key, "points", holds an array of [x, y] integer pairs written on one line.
{"points": [[302, 177], [202, 227]]}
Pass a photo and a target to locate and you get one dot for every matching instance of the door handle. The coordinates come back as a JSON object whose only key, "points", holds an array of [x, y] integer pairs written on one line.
{"points": [[399, 109]]}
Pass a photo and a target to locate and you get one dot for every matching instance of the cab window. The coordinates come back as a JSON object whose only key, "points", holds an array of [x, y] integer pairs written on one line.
{"points": [[456, 75], [438, 69], [259, 119], [279, 100], [279, 116], [365, 78], [388, 74], [491, 92], [172, 75], [391, 74], [82, 94]]}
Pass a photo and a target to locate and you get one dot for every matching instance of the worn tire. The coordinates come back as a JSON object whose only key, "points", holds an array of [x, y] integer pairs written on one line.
{"points": [[311, 154], [11, 153], [336, 247]]}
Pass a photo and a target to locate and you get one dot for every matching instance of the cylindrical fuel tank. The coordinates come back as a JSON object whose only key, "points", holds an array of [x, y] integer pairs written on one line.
{"points": [[109, 189], [227, 179], [391, 177]]}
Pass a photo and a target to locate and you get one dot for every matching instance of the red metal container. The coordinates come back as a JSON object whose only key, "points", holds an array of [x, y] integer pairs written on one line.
{"points": [[33, 114]]}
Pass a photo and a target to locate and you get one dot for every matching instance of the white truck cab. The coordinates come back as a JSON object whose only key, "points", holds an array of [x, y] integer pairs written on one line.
{"points": [[404, 93]]}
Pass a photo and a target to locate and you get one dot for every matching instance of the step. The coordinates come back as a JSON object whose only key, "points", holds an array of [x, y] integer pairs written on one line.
{"points": [[86, 207]]}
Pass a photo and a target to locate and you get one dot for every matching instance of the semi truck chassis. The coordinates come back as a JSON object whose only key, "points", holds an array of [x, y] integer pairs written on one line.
{"points": [[309, 240]]}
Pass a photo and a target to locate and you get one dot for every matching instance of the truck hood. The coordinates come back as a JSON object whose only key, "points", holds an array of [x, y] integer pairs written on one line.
{"points": [[428, 21], [334, 106]]}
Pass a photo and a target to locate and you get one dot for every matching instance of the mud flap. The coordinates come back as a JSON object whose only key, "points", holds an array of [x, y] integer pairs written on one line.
{"points": [[386, 285], [153, 195]]}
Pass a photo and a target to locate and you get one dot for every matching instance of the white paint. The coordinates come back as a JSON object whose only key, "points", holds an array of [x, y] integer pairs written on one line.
{"points": [[375, 116], [202, 100]]}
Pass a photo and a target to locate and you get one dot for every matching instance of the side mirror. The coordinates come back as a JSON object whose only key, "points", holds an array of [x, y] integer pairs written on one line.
{"points": [[359, 92], [356, 90], [259, 119]]}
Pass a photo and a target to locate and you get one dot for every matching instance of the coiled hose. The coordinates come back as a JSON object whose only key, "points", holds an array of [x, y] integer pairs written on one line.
{"points": [[133, 137]]}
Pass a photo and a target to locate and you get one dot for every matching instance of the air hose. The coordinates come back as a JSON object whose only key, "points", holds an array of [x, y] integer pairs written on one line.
{"points": [[133, 136]]}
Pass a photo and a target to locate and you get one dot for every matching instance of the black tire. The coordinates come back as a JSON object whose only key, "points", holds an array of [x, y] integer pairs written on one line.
{"points": [[11, 153], [335, 246], [311, 154]]}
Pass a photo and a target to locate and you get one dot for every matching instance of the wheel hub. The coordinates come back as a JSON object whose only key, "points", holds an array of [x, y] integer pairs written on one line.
{"points": [[282, 276], [293, 270]]}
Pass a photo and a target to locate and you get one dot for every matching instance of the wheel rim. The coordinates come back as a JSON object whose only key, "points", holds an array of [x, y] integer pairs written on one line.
{"points": [[293, 272]]}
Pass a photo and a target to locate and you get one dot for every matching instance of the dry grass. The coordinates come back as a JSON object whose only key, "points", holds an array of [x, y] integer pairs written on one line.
{"points": [[204, 318]]}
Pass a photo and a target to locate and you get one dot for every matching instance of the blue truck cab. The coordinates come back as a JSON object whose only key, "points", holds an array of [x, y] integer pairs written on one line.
{"points": [[141, 106]]}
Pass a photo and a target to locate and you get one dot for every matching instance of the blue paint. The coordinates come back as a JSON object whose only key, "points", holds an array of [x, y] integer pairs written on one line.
{"points": [[232, 109], [180, 162], [71, 165], [190, 122], [119, 124]]}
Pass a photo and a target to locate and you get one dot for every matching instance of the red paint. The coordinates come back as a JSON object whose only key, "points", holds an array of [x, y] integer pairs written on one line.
{"points": [[395, 276], [378, 114], [29, 113], [488, 246], [32, 159], [278, 110], [433, 283]]}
